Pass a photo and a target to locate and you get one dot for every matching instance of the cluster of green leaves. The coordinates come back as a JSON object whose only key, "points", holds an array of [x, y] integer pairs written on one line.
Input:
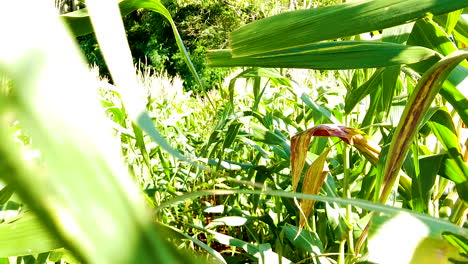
{"points": [[419, 45]]}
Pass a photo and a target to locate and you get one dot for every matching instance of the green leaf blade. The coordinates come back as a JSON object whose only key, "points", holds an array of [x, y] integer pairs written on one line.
{"points": [[306, 26], [26, 236], [418, 103], [327, 56]]}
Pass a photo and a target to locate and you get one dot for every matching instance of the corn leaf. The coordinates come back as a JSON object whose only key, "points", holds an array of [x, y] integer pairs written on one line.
{"points": [[327, 56], [140, 143], [263, 134], [358, 139], [461, 28], [211, 251], [303, 27], [450, 91], [5, 193], [299, 146], [428, 34], [356, 95], [118, 58], [26, 236], [313, 181], [400, 35], [306, 240], [389, 84], [231, 134], [318, 109], [452, 21], [436, 225], [418, 103], [444, 129], [423, 182]]}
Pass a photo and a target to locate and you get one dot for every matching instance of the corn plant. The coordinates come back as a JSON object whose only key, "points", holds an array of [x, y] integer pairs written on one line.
{"points": [[415, 44]]}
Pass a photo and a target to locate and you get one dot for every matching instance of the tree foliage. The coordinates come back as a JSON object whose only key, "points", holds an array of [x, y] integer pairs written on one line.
{"points": [[203, 25]]}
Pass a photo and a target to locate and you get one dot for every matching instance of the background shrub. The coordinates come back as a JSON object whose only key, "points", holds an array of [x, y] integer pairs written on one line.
{"points": [[202, 25]]}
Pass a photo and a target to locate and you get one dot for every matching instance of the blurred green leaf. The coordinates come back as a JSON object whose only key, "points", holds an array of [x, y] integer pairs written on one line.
{"points": [[423, 241], [458, 240], [26, 235], [211, 251], [452, 21], [5, 193], [80, 190]]}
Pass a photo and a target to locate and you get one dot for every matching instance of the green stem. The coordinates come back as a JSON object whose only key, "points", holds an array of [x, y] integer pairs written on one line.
{"points": [[341, 256], [347, 192], [459, 213]]}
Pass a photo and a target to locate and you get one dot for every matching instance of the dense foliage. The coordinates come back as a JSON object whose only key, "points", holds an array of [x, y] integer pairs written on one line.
{"points": [[358, 157], [203, 25]]}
